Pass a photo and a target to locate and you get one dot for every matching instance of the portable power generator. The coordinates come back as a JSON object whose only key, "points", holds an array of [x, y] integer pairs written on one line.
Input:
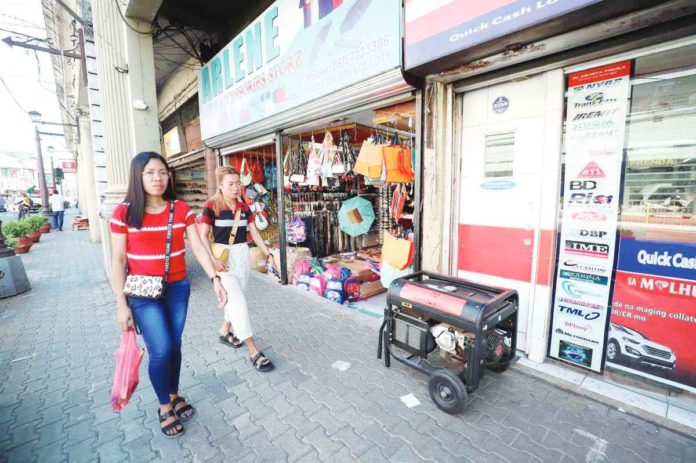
{"points": [[451, 330]]}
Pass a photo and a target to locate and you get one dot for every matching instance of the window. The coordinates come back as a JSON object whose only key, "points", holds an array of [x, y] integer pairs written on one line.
{"points": [[500, 151]]}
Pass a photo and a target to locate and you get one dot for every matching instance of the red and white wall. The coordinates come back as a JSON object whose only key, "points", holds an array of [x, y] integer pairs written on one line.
{"points": [[506, 227]]}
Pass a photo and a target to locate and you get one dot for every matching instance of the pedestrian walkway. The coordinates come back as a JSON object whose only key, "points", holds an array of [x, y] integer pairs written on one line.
{"points": [[56, 361]]}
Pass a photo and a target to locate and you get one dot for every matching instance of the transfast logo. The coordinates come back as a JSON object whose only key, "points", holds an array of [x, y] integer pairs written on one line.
{"points": [[584, 248], [578, 312], [574, 290], [589, 216], [584, 277], [589, 305], [591, 170], [592, 268], [594, 99]]}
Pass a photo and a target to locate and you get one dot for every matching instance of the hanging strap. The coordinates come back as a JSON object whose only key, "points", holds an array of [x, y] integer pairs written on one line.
{"points": [[168, 248], [235, 226]]}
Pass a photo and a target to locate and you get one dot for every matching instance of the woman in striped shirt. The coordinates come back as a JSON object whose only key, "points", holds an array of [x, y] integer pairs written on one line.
{"points": [[138, 233]]}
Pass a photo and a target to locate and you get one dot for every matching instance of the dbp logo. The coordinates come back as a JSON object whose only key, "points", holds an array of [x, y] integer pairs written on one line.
{"points": [[589, 216], [587, 315], [586, 233], [583, 185]]}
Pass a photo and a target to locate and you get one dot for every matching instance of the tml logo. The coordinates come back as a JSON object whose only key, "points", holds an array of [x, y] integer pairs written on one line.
{"points": [[578, 312]]}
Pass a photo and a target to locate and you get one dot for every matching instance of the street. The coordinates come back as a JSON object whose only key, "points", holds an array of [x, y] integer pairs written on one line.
{"points": [[56, 366]]}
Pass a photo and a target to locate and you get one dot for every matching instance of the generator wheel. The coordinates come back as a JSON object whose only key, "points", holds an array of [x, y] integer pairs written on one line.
{"points": [[499, 367], [448, 392]]}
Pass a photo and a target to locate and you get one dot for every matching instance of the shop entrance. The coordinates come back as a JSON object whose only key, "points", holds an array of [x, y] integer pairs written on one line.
{"points": [[509, 170]]}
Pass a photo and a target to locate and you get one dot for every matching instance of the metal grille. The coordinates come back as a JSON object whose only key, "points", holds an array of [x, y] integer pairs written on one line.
{"points": [[407, 334], [657, 352]]}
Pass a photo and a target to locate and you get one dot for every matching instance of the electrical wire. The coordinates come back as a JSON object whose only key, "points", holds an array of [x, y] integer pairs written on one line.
{"points": [[24, 35], [12, 96], [125, 21]]}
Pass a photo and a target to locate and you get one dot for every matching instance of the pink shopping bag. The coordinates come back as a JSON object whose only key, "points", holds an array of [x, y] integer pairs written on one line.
{"points": [[128, 358]]}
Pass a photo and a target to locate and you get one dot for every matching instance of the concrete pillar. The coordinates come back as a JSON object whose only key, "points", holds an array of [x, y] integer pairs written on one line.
{"points": [[85, 167], [435, 177], [211, 163], [129, 101]]}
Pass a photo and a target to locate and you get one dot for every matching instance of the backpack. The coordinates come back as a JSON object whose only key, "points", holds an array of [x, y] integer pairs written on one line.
{"points": [[351, 287]]}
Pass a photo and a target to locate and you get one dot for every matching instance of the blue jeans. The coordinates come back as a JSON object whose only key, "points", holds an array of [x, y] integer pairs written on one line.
{"points": [[161, 323], [58, 219]]}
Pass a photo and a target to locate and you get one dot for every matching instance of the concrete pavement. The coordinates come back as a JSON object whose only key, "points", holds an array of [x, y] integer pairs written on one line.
{"points": [[56, 363]]}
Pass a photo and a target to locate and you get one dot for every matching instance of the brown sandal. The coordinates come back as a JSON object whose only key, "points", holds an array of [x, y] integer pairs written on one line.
{"points": [[261, 363], [175, 425], [231, 340]]}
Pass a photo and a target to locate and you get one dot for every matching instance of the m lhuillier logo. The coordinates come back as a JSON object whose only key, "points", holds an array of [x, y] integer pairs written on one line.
{"points": [[591, 170], [665, 259], [584, 248]]}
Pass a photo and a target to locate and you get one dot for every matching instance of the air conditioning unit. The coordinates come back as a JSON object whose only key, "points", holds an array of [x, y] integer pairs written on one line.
{"points": [[174, 142]]}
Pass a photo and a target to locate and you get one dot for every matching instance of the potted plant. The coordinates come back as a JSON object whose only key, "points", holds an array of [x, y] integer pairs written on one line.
{"points": [[34, 226], [39, 222], [12, 242], [18, 229]]}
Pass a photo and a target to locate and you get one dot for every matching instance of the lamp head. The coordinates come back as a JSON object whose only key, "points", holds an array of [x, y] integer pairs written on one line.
{"points": [[35, 116]]}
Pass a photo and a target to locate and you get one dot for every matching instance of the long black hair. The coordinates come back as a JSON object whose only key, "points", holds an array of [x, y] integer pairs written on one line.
{"points": [[135, 196]]}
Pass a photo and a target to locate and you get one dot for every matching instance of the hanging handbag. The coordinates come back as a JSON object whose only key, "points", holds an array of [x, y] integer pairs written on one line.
{"points": [[245, 175], [398, 252], [397, 160], [296, 230], [260, 219], [126, 377], [147, 286], [222, 252], [256, 169], [328, 152], [345, 157], [270, 176], [370, 162], [299, 165], [388, 273], [396, 209]]}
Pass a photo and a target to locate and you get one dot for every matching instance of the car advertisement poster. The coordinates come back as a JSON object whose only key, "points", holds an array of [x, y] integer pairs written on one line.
{"points": [[653, 316], [595, 128]]}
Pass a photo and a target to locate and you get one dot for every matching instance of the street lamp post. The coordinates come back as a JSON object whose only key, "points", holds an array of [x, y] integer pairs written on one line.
{"points": [[36, 119]]}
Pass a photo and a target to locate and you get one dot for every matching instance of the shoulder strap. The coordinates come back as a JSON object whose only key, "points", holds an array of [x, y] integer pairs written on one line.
{"points": [[235, 226], [168, 249]]}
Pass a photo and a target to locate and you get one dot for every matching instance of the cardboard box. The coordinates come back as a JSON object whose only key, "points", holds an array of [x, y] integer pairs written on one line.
{"points": [[371, 288], [257, 261], [294, 255], [357, 267]]}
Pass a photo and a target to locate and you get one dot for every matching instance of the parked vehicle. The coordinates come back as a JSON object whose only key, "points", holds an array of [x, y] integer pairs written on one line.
{"points": [[631, 347]]}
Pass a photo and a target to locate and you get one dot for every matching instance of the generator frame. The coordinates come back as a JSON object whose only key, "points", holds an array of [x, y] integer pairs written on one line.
{"points": [[501, 307]]}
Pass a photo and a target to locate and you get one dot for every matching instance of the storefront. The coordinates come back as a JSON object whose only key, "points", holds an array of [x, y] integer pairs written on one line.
{"points": [[574, 178], [296, 99], [192, 163]]}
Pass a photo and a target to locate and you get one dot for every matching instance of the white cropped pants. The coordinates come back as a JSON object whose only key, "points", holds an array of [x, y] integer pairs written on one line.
{"points": [[234, 280]]}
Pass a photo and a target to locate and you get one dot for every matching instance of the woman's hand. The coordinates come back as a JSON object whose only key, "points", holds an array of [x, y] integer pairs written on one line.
{"points": [[219, 266], [220, 293], [124, 316]]}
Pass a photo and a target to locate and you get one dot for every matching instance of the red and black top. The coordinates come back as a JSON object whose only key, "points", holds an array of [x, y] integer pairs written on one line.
{"points": [[146, 246], [222, 222]]}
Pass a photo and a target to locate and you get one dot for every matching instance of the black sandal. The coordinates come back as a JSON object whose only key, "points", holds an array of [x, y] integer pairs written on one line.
{"points": [[183, 413], [234, 342], [261, 363], [175, 425]]}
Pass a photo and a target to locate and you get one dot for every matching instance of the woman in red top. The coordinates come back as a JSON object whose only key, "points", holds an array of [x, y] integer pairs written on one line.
{"points": [[139, 235]]}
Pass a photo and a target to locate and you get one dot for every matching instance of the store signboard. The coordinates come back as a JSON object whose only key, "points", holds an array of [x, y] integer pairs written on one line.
{"points": [[437, 28], [597, 105], [653, 317], [69, 167], [296, 52]]}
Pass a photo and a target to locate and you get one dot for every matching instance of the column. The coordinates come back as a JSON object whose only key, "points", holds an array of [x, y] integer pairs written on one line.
{"points": [[85, 168], [126, 68]]}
